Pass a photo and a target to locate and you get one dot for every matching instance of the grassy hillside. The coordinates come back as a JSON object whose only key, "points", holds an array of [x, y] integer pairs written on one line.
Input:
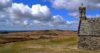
{"points": [[56, 45], [41, 34]]}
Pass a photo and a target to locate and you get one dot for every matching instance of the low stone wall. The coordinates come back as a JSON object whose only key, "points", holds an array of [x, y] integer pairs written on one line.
{"points": [[89, 42]]}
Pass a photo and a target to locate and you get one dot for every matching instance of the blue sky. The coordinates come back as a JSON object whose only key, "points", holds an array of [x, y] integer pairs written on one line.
{"points": [[44, 14]]}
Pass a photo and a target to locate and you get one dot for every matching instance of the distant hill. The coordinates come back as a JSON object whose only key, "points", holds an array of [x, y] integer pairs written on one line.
{"points": [[39, 34]]}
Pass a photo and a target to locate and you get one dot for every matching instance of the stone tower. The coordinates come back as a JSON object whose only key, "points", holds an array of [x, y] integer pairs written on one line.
{"points": [[82, 10], [88, 31]]}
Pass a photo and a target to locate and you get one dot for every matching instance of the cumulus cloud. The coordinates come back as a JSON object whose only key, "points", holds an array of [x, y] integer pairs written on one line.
{"points": [[40, 15], [55, 21], [58, 20], [5, 4], [19, 11], [37, 11], [17, 14], [74, 14]]}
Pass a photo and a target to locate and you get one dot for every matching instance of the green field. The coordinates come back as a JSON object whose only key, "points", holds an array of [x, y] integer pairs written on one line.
{"points": [[66, 45]]}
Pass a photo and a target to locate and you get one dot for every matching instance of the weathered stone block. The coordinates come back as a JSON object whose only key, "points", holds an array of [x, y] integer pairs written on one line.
{"points": [[89, 42]]}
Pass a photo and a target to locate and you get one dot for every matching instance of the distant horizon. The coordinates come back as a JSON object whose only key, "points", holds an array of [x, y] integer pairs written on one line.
{"points": [[32, 30]]}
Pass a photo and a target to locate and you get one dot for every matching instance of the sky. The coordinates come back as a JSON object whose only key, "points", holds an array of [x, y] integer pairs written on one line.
{"points": [[44, 14]]}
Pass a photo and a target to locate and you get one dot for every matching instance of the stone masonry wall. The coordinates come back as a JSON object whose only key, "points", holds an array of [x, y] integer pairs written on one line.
{"points": [[89, 42], [90, 27]]}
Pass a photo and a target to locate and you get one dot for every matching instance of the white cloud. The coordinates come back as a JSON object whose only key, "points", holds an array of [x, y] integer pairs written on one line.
{"points": [[41, 15], [2, 15], [74, 4], [20, 11], [55, 21], [5, 3], [98, 15], [67, 4], [58, 20], [74, 14], [16, 22], [37, 15], [93, 16], [40, 11], [25, 22], [37, 11], [36, 21]]}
